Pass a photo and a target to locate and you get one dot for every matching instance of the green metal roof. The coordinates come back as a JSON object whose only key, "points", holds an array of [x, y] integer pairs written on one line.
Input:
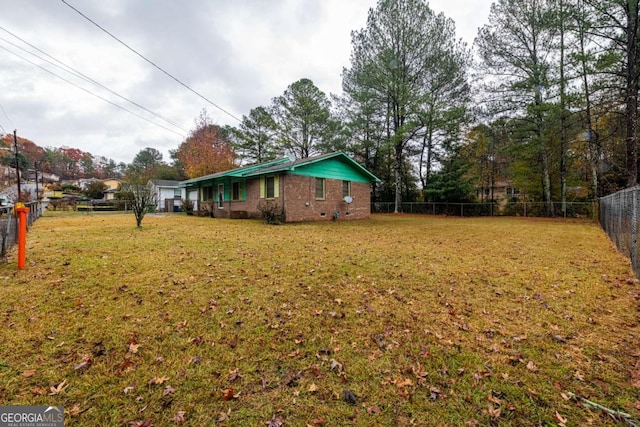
{"points": [[238, 172], [321, 166], [333, 165]]}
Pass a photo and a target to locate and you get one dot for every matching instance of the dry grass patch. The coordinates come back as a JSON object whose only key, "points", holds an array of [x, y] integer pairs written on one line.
{"points": [[393, 321]]}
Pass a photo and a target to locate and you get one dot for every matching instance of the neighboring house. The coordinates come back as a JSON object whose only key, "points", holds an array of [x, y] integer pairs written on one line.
{"points": [[325, 187], [112, 184], [502, 192], [7, 176], [84, 183], [168, 195]]}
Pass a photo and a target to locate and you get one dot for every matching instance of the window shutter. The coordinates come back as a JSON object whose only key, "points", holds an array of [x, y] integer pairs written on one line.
{"points": [[262, 188], [276, 186]]}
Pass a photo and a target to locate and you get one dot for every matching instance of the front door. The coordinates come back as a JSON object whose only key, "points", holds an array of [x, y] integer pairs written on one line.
{"points": [[220, 196]]}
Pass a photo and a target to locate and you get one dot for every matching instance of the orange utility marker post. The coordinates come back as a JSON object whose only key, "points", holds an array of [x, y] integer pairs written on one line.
{"points": [[21, 213]]}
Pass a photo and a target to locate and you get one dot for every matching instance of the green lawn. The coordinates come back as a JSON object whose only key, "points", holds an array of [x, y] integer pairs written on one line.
{"points": [[397, 321]]}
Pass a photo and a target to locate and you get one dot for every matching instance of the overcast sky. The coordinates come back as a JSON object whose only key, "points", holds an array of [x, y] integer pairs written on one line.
{"points": [[238, 54]]}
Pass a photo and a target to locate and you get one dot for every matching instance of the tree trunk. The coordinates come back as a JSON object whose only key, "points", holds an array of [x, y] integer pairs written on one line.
{"points": [[398, 177], [593, 143], [546, 182], [563, 118]]}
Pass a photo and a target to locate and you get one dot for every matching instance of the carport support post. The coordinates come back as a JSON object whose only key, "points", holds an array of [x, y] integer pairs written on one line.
{"points": [[22, 235]]}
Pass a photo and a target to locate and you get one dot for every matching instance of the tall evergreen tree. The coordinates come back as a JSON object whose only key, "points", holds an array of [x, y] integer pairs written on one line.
{"points": [[517, 51], [398, 64], [303, 116], [256, 136]]}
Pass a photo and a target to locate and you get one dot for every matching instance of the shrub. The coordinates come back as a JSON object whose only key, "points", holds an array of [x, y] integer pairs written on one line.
{"points": [[186, 205], [270, 212], [207, 208]]}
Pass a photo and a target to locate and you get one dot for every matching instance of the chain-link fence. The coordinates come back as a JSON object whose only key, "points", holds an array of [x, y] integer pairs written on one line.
{"points": [[532, 209], [619, 219], [9, 224]]}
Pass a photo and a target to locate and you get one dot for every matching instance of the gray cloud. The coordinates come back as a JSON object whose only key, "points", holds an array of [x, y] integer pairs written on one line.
{"points": [[239, 54]]}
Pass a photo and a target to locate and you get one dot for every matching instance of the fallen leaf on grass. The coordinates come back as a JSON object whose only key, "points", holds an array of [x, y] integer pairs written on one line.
{"points": [[29, 373], [233, 341], [133, 348], [224, 416], [58, 389], [74, 411], [578, 375], [157, 380], [84, 364], [403, 383], [140, 423], [562, 421], [532, 366], [228, 394], [39, 391], [493, 399], [275, 422], [179, 417], [312, 388], [336, 365], [494, 412], [168, 390], [234, 375]]}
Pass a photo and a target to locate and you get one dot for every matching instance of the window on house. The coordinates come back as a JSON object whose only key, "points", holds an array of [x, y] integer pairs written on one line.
{"points": [[207, 193], [235, 191], [220, 196], [346, 188], [270, 187], [177, 193], [320, 188]]}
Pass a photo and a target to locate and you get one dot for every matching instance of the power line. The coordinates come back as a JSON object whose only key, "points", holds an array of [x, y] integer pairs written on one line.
{"points": [[83, 76], [7, 116], [152, 63], [91, 93]]}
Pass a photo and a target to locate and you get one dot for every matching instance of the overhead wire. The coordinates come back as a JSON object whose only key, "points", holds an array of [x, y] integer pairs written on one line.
{"points": [[69, 69], [6, 115], [152, 63], [91, 93]]}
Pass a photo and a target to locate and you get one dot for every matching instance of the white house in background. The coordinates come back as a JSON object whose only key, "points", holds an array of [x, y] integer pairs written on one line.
{"points": [[113, 185], [168, 195]]}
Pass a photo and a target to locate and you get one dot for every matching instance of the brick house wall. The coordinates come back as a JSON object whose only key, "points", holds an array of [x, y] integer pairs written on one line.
{"points": [[297, 195], [240, 208], [301, 204]]}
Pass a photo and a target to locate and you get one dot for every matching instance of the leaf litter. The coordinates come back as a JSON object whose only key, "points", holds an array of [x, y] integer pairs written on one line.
{"points": [[465, 326]]}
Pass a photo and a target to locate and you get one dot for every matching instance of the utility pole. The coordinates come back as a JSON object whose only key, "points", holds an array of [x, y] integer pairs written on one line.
{"points": [[15, 146], [35, 166]]}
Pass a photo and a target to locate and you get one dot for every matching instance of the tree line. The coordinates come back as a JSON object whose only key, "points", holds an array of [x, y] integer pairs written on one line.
{"points": [[546, 99]]}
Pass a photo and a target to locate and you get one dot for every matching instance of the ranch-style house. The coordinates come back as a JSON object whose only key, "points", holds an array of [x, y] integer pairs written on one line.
{"points": [[320, 188]]}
